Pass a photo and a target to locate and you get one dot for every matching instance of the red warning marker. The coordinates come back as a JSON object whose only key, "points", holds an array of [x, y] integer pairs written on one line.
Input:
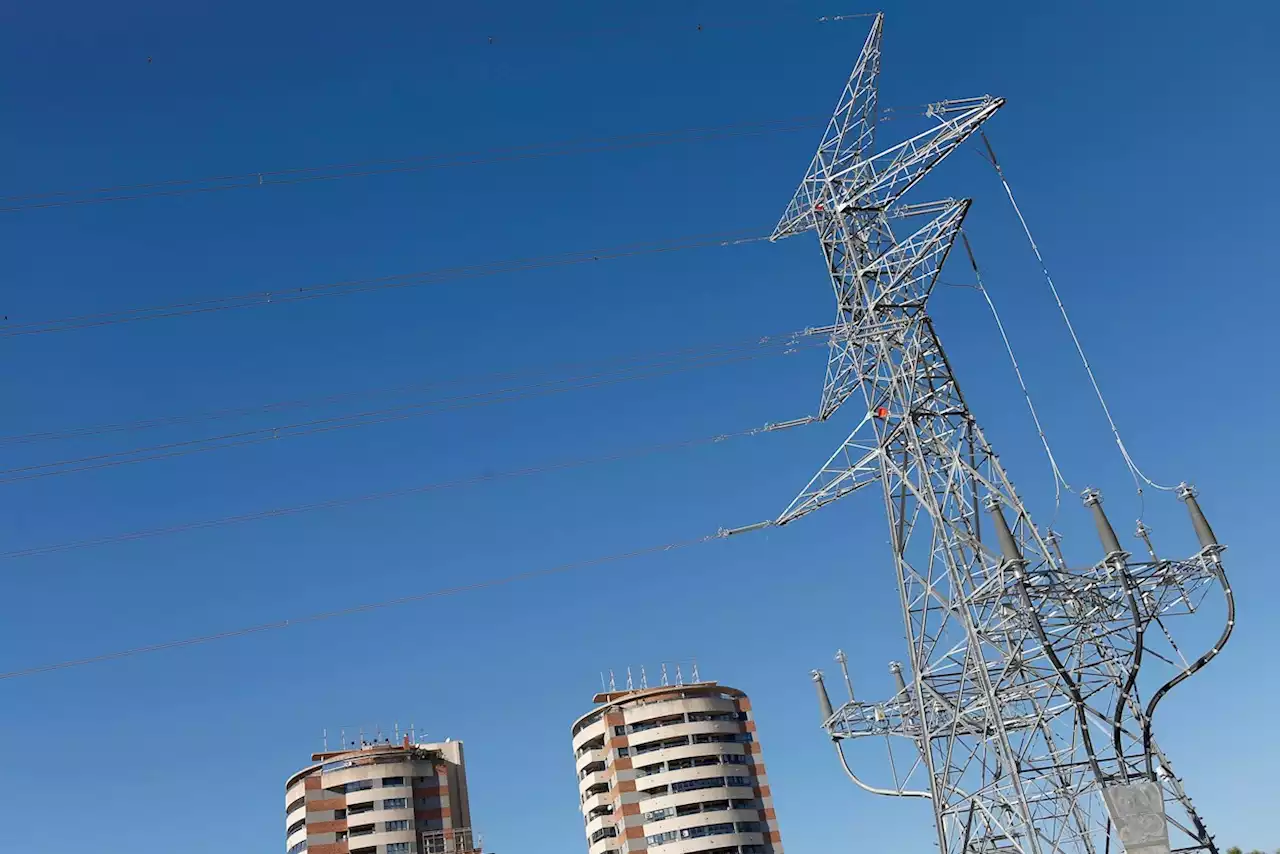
{"points": [[882, 412]]}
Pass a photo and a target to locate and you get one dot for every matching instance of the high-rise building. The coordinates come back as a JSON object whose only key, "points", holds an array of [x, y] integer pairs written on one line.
{"points": [[381, 798], [674, 770]]}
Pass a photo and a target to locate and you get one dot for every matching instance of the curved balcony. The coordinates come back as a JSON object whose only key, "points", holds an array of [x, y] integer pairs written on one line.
{"points": [[592, 779], [648, 711], [707, 843], [600, 754], [699, 819], [603, 799], [587, 733]]}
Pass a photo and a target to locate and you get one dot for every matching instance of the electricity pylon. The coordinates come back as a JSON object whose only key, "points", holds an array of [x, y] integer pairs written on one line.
{"points": [[1020, 705]]}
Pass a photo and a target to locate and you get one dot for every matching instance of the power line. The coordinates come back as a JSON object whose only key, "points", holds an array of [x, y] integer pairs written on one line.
{"points": [[425, 277], [387, 166], [341, 422], [635, 360], [403, 492], [360, 609], [418, 162]]}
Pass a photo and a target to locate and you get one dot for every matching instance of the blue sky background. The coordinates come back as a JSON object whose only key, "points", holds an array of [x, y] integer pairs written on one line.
{"points": [[1136, 136]]}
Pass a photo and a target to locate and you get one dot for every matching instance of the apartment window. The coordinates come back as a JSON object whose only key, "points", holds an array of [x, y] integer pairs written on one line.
{"points": [[398, 847], [735, 759], [299, 848], [659, 815], [295, 827], [392, 781], [748, 827], [623, 751], [340, 836], [358, 786], [340, 812], [394, 803], [362, 830], [603, 833], [296, 804], [402, 824], [372, 849], [356, 809], [711, 716], [619, 730], [708, 783], [706, 830]]}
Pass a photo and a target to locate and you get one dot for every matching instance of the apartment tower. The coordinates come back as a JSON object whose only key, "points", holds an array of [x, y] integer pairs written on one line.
{"points": [[674, 770], [381, 798]]}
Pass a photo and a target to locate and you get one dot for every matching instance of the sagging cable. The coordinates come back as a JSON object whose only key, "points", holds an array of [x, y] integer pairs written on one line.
{"points": [[1138, 476]]}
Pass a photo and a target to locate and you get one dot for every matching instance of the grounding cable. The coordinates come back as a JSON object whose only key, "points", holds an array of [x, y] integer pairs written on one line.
{"points": [[376, 606], [1059, 482], [1138, 476]]}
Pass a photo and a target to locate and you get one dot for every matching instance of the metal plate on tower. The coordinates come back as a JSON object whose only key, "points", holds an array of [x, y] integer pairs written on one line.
{"points": [[1137, 811]]}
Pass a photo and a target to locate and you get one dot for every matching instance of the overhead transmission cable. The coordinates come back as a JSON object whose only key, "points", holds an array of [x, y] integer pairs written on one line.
{"points": [[361, 419], [425, 277], [412, 163], [419, 162], [402, 492], [371, 606], [635, 361], [1138, 476]]}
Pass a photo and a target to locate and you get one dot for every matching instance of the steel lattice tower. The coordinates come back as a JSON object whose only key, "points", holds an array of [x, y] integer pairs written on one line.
{"points": [[1020, 702]]}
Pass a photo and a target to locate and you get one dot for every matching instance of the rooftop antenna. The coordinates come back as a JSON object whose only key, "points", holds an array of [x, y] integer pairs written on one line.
{"points": [[397, 731], [644, 678], [664, 674], [342, 738], [695, 671], [612, 687], [630, 685], [679, 676], [603, 687], [413, 732]]}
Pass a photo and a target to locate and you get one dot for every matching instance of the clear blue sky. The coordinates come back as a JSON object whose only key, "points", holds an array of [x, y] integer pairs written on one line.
{"points": [[1136, 134]]}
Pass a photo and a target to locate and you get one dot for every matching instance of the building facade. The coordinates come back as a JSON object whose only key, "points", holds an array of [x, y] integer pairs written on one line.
{"points": [[381, 799], [674, 770]]}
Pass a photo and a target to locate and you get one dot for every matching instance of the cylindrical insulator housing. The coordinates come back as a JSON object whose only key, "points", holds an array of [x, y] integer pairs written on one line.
{"points": [[1188, 494], [1110, 542], [824, 701]]}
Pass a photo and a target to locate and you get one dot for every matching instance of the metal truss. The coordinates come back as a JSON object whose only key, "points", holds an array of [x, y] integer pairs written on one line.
{"points": [[1020, 705]]}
